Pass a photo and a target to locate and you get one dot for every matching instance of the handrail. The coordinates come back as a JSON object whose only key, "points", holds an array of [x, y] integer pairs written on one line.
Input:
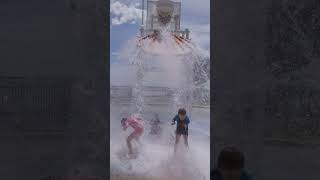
{"points": [[184, 33]]}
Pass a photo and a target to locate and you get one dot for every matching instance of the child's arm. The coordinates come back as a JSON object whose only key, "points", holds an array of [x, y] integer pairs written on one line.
{"points": [[174, 120], [187, 120]]}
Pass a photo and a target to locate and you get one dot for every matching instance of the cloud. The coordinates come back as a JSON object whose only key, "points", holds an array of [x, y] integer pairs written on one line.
{"points": [[122, 13], [195, 16], [129, 11], [115, 54]]}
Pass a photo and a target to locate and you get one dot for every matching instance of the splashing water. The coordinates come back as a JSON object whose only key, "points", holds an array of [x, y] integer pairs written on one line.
{"points": [[181, 67]]}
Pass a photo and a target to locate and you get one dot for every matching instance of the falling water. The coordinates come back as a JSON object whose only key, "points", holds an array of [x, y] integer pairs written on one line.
{"points": [[181, 68]]}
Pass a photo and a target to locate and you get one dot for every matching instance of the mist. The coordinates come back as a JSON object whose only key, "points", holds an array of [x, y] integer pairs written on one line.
{"points": [[164, 64]]}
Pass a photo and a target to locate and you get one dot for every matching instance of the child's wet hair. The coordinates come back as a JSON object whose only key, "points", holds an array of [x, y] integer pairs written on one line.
{"points": [[123, 120], [182, 111]]}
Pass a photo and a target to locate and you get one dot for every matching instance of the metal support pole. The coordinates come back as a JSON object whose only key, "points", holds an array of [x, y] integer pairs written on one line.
{"points": [[187, 33], [142, 12], [141, 31]]}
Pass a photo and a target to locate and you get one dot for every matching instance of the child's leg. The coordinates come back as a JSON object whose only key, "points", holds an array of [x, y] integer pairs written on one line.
{"points": [[138, 140], [138, 134], [185, 137], [129, 139], [177, 141]]}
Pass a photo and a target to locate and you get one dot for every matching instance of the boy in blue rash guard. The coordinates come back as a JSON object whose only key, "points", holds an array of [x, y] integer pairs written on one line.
{"points": [[182, 127]]}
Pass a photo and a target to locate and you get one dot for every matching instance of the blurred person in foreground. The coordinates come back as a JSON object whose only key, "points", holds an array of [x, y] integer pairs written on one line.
{"points": [[230, 166]]}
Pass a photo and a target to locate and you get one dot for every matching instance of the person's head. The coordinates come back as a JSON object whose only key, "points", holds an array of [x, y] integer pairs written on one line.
{"points": [[182, 113], [123, 120], [230, 163]]}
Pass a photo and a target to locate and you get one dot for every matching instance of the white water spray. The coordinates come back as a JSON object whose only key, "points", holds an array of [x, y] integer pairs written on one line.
{"points": [[182, 69]]}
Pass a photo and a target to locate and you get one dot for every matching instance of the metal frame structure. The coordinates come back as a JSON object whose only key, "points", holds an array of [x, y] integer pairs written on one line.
{"points": [[147, 28]]}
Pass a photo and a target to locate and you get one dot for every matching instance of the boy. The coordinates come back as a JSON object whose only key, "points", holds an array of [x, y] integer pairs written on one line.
{"points": [[138, 126], [230, 166], [182, 127]]}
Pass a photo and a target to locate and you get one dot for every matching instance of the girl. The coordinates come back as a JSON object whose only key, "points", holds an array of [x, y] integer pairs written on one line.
{"points": [[137, 124]]}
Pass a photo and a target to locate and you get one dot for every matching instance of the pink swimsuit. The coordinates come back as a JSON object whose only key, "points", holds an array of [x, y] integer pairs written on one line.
{"points": [[136, 124]]}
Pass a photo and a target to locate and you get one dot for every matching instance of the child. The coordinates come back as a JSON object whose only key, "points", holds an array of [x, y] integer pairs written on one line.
{"points": [[182, 127], [155, 125], [138, 126]]}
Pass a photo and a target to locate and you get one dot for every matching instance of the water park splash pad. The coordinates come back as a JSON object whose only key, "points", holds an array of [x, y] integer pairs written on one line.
{"points": [[164, 58]]}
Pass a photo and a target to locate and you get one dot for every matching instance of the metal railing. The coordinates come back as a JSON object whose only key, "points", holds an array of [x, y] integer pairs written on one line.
{"points": [[152, 95], [183, 33]]}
